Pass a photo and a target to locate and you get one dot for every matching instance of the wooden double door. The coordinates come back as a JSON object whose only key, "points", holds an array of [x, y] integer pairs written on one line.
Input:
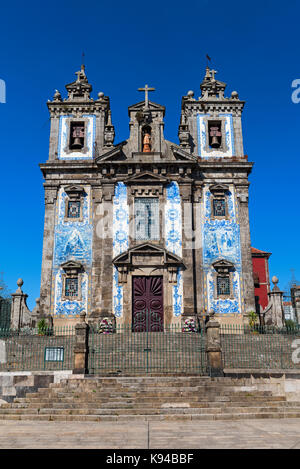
{"points": [[147, 304]]}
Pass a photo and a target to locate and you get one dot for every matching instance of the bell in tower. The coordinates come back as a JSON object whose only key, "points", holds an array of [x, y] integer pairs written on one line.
{"points": [[215, 135], [77, 136]]}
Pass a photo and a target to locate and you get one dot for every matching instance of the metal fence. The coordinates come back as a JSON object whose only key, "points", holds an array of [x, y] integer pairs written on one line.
{"points": [[125, 351], [5, 312], [37, 350], [260, 347]]}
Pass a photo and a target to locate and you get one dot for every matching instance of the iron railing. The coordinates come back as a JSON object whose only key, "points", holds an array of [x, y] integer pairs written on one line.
{"points": [[36, 350], [128, 349], [5, 312], [260, 347]]}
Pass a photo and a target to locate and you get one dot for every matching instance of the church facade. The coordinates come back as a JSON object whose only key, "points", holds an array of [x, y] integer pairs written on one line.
{"points": [[146, 232]]}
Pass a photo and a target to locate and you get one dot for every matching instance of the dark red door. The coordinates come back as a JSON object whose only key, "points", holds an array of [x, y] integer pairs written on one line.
{"points": [[147, 304]]}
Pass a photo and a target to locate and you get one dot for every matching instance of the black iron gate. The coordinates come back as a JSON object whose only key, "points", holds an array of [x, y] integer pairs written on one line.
{"points": [[124, 350]]}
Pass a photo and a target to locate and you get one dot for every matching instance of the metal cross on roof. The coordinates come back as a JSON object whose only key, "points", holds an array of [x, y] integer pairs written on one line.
{"points": [[146, 89]]}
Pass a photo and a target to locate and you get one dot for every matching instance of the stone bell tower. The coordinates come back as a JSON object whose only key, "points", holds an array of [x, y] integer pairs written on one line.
{"points": [[211, 129], [80, 129]]}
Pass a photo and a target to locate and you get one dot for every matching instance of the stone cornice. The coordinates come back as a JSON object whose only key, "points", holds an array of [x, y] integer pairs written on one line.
{"points": [[213, 105], [57, 109]]}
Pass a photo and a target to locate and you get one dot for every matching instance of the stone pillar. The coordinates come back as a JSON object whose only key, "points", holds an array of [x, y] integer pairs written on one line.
{"points": [[189, 299], [106, 274], [81, 349], [247, 266], [213, 347], [98, 236], [273, 314], [47, 260], [20, 314]]}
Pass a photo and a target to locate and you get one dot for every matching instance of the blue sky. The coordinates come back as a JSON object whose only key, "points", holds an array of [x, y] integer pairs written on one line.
{"points": [[253, 45]]}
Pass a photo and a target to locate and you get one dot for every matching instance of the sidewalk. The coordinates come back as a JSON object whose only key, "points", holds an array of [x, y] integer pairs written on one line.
{"points": [[245, 434]]}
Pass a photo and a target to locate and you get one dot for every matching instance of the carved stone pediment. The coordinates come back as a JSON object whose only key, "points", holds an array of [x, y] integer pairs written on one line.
{"points": [[218, 189], [74, 191], [115, 153], [147, 255], [152, 107], [146, 177], [222, 265], [73, 266]]}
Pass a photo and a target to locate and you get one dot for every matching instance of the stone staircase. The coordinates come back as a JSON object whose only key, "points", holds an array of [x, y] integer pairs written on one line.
{"points": [[150, 398]]}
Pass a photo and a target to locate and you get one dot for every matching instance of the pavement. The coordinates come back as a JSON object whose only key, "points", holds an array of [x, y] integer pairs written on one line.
{"points": [[244, 434]]}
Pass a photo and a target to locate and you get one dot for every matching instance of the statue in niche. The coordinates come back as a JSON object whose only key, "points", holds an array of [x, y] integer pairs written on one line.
{"points": [[147, 140]]}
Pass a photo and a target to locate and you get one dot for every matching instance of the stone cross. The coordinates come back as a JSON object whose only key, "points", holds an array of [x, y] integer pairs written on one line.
{"points": [[146, 89], [213, 72]]}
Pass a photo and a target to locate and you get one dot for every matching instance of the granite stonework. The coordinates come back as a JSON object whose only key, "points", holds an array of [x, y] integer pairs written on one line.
{"points": [[190, 247]]}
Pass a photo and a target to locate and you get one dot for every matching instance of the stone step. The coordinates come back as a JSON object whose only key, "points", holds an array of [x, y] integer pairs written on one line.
{"points": [[150, 411], [143, 404], [149, 405], [143, 417], [150, 393], [154, 401]]}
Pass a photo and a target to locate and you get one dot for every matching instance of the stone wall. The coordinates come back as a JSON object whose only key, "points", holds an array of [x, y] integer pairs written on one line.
{"points": [[18, 383]]}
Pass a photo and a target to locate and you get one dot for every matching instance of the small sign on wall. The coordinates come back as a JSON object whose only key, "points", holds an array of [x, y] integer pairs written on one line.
{"points": [[54, 354]]}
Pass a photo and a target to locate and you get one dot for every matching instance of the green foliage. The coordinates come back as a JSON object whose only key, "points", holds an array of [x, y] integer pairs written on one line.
{"points": [[291, 325], [42, 327], [252, 317]]}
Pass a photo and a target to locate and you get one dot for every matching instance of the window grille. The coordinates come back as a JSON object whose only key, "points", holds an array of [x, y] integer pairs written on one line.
{"points": [[71, 287], [219, 207], [74, 209], [223, 286]]}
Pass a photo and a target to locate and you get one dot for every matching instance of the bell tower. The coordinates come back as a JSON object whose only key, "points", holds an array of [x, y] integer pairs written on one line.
{"points": [[211, 129], [80, 130]]}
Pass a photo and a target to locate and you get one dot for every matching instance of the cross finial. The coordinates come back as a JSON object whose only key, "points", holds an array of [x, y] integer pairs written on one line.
{"points": [[146, 89], [213, 72]]}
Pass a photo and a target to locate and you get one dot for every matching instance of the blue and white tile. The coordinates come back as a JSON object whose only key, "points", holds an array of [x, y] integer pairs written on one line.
{"points": [[64, 136]]}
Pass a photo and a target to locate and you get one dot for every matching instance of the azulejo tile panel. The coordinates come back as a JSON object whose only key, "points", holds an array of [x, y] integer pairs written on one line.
{"points": [[173, 239], [63, 139], [120, 219], [120, 240], [221, 240], [202, 137], [72, 241]]}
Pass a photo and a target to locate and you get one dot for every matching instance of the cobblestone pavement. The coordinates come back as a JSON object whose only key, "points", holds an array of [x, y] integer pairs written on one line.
{"points": [[265, 434]]}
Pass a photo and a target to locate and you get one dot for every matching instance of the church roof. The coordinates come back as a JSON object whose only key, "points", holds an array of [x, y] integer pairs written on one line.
{"points": [[258, 253]]}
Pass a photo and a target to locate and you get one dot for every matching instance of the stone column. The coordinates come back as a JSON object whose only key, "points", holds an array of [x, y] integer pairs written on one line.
{"points": [[213, 348], [247, 266], [273, 314], [106, 276], [98, 220], [47, 260], [189, 303], [20, 314], [81, 349]]}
